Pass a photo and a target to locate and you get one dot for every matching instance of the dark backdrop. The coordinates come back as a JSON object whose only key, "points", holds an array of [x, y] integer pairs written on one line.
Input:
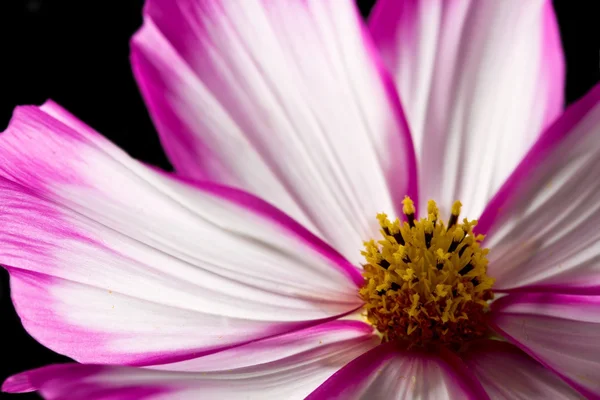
{"points": [[76, 52]]}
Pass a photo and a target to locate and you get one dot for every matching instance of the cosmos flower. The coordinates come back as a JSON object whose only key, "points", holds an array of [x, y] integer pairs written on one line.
{"points": [[189, 285]]}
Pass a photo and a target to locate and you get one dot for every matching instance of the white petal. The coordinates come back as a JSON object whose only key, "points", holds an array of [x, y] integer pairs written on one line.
{"points": [[479, 81], [542, 225], [389, 373], [288, 367], [285, 99], [560, 331], [112, 261], [507, 373]]}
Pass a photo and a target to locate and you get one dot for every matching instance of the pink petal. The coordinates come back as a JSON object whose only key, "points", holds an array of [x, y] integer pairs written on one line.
{"points": [[389, 373], [543, 224], [508, 373], [286, 367], [479, 81], [560, 331], [284, 99], [114, 262]]}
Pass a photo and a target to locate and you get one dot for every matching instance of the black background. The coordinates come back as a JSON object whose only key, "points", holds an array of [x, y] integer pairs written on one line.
{"points": [[77, 53]]}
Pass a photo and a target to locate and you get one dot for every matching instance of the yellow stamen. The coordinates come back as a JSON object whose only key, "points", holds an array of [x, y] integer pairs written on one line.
{"points": [[456, 208], [425, 282], [409, 206]]}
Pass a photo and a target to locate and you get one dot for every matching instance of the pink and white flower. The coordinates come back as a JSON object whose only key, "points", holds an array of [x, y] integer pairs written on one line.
{"points": [[187, 285]]}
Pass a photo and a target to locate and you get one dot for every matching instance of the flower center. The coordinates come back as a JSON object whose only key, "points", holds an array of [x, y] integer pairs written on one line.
{"points": [[425, 282]]}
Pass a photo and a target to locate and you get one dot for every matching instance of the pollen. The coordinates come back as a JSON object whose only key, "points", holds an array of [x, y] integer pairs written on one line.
{"points": [[425, 282]]}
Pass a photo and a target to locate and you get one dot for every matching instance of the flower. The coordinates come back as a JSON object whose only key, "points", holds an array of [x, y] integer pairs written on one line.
{"points": [[190, 285]]}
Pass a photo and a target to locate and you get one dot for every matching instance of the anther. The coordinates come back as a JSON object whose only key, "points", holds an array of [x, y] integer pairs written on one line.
{"points": [[399, 238], [433, 211], [466, 269], [411, 220], [428, 233], [440, 259], [428, 237], [457, 238], [455, 213], [409, 210]]}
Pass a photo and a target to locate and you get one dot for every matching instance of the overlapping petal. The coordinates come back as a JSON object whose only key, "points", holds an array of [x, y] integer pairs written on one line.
{"points": [[112, 261], [389, 373], [479, 81], [542, 225], [284, 99], [508, 373], [286, 367], [560, 331]]}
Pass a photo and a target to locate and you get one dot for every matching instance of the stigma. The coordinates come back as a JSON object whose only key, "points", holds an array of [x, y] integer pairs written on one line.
{"points": [[425, 282]]}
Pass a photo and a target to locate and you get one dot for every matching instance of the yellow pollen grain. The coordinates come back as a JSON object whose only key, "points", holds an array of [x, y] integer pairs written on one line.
{"points": [[432, 208], [441, 290], [456, 207], [458, 234], [408, 206], [425, 281]]}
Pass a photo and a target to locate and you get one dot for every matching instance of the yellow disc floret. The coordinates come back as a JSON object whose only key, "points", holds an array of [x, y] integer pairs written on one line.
{"points": [[426, 282]]}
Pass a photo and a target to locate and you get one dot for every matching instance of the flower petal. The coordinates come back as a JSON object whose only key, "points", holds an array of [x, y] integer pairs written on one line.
{"points": [[284, 99], [389, 373], [560, 331], [114, 262], [497, 363], [542, 225], [479, 81], [286, 367]]}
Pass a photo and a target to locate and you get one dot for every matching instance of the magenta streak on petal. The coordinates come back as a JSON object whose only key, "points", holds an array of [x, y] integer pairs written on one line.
{"points": [[169, 357], [55, 111], [412, 189], [547, 142], [38, 173], [100, 391], [492, 346], [456, 368], [593, 290], [358, 326], [382, 21], [78, 380], [581, 389], [27, 197], [354, 373], [580, 305], [266, 210], [32, 380], [302, 328], [46, 226], [61, 381], [183, 148], [22, 280], [97, 339], [554, 64], [351, 375]]}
